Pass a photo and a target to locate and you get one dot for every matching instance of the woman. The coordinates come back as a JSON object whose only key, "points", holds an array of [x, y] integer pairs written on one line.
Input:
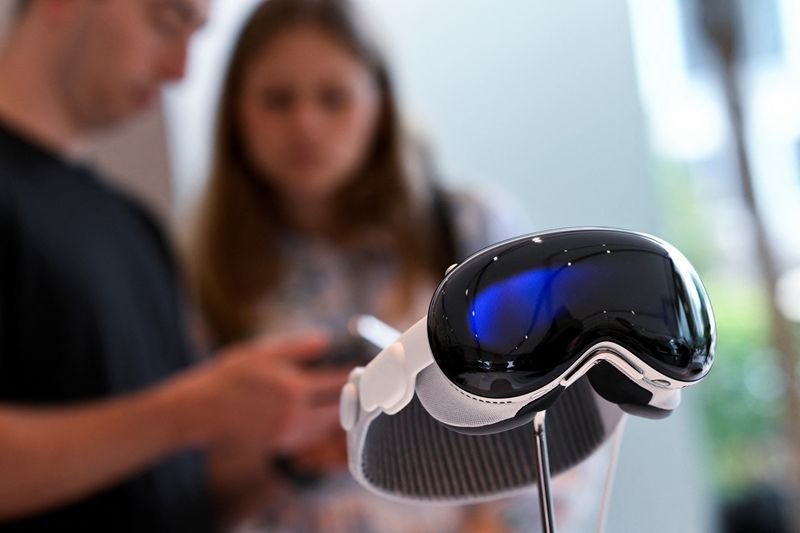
{"points": [[319, 208]]}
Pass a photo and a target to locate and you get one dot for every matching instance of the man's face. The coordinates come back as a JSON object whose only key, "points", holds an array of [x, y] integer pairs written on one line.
{"points": [[118, 53]]}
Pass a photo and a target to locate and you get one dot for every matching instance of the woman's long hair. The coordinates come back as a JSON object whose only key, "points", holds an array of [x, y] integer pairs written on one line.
{"points": [[233, 259]]}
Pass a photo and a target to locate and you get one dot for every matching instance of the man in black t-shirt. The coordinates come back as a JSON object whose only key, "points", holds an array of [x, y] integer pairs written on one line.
{"points": [[102, 427]]}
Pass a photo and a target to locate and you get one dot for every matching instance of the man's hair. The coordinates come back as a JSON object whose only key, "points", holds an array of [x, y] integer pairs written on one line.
{"points": [[21, 7]]}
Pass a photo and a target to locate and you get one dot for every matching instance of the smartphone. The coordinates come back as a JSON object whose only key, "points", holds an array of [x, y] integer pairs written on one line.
{"points": [[364, 338], [372, 330]]}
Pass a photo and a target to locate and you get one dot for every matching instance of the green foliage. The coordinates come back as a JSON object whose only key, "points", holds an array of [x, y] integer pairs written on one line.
{"points": [[742, 396]]}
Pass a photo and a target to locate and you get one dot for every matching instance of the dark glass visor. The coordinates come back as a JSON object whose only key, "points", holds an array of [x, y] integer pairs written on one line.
{"points": [[515, 316]]}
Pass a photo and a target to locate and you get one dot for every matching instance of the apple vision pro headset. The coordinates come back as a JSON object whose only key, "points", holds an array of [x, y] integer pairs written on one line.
{"points": [[582, 324]]}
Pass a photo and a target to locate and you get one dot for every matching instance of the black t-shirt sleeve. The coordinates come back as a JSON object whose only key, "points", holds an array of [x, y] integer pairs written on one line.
{"points": [[5, 244], [8, 246], [2, 301]]}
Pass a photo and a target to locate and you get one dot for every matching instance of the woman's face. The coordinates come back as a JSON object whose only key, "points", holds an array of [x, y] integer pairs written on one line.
{"points": [[307, 111]]}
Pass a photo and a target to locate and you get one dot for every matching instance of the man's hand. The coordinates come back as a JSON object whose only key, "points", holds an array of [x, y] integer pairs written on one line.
{"points": [[254, 397], [325, 456], [265, 402], [259, 394]]}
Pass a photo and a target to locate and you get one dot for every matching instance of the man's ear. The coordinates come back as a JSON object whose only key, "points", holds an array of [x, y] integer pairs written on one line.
{"points": [[20, 8]]}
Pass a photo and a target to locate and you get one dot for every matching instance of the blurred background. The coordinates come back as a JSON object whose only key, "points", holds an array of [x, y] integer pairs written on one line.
{"points": [[679, 118]]}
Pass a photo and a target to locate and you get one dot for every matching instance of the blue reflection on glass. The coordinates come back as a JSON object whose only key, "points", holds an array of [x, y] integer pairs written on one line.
{"points": [[506, 312]]}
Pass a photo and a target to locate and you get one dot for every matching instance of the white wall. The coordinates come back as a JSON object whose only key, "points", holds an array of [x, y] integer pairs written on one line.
{"points": [[538, 97], [134, 157]]}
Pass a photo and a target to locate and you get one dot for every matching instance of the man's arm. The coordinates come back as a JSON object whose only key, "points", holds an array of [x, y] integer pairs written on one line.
{"points": [[241, 476], [252, 395], [51, 456]]}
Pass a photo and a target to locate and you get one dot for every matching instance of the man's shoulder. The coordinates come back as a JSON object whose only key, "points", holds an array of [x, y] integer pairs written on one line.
{"points": [[7, 193], [51, 198]]}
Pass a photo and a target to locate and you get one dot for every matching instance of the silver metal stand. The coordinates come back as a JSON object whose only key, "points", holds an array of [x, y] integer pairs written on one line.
{"points": [[612, 466], [543, 474]]}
